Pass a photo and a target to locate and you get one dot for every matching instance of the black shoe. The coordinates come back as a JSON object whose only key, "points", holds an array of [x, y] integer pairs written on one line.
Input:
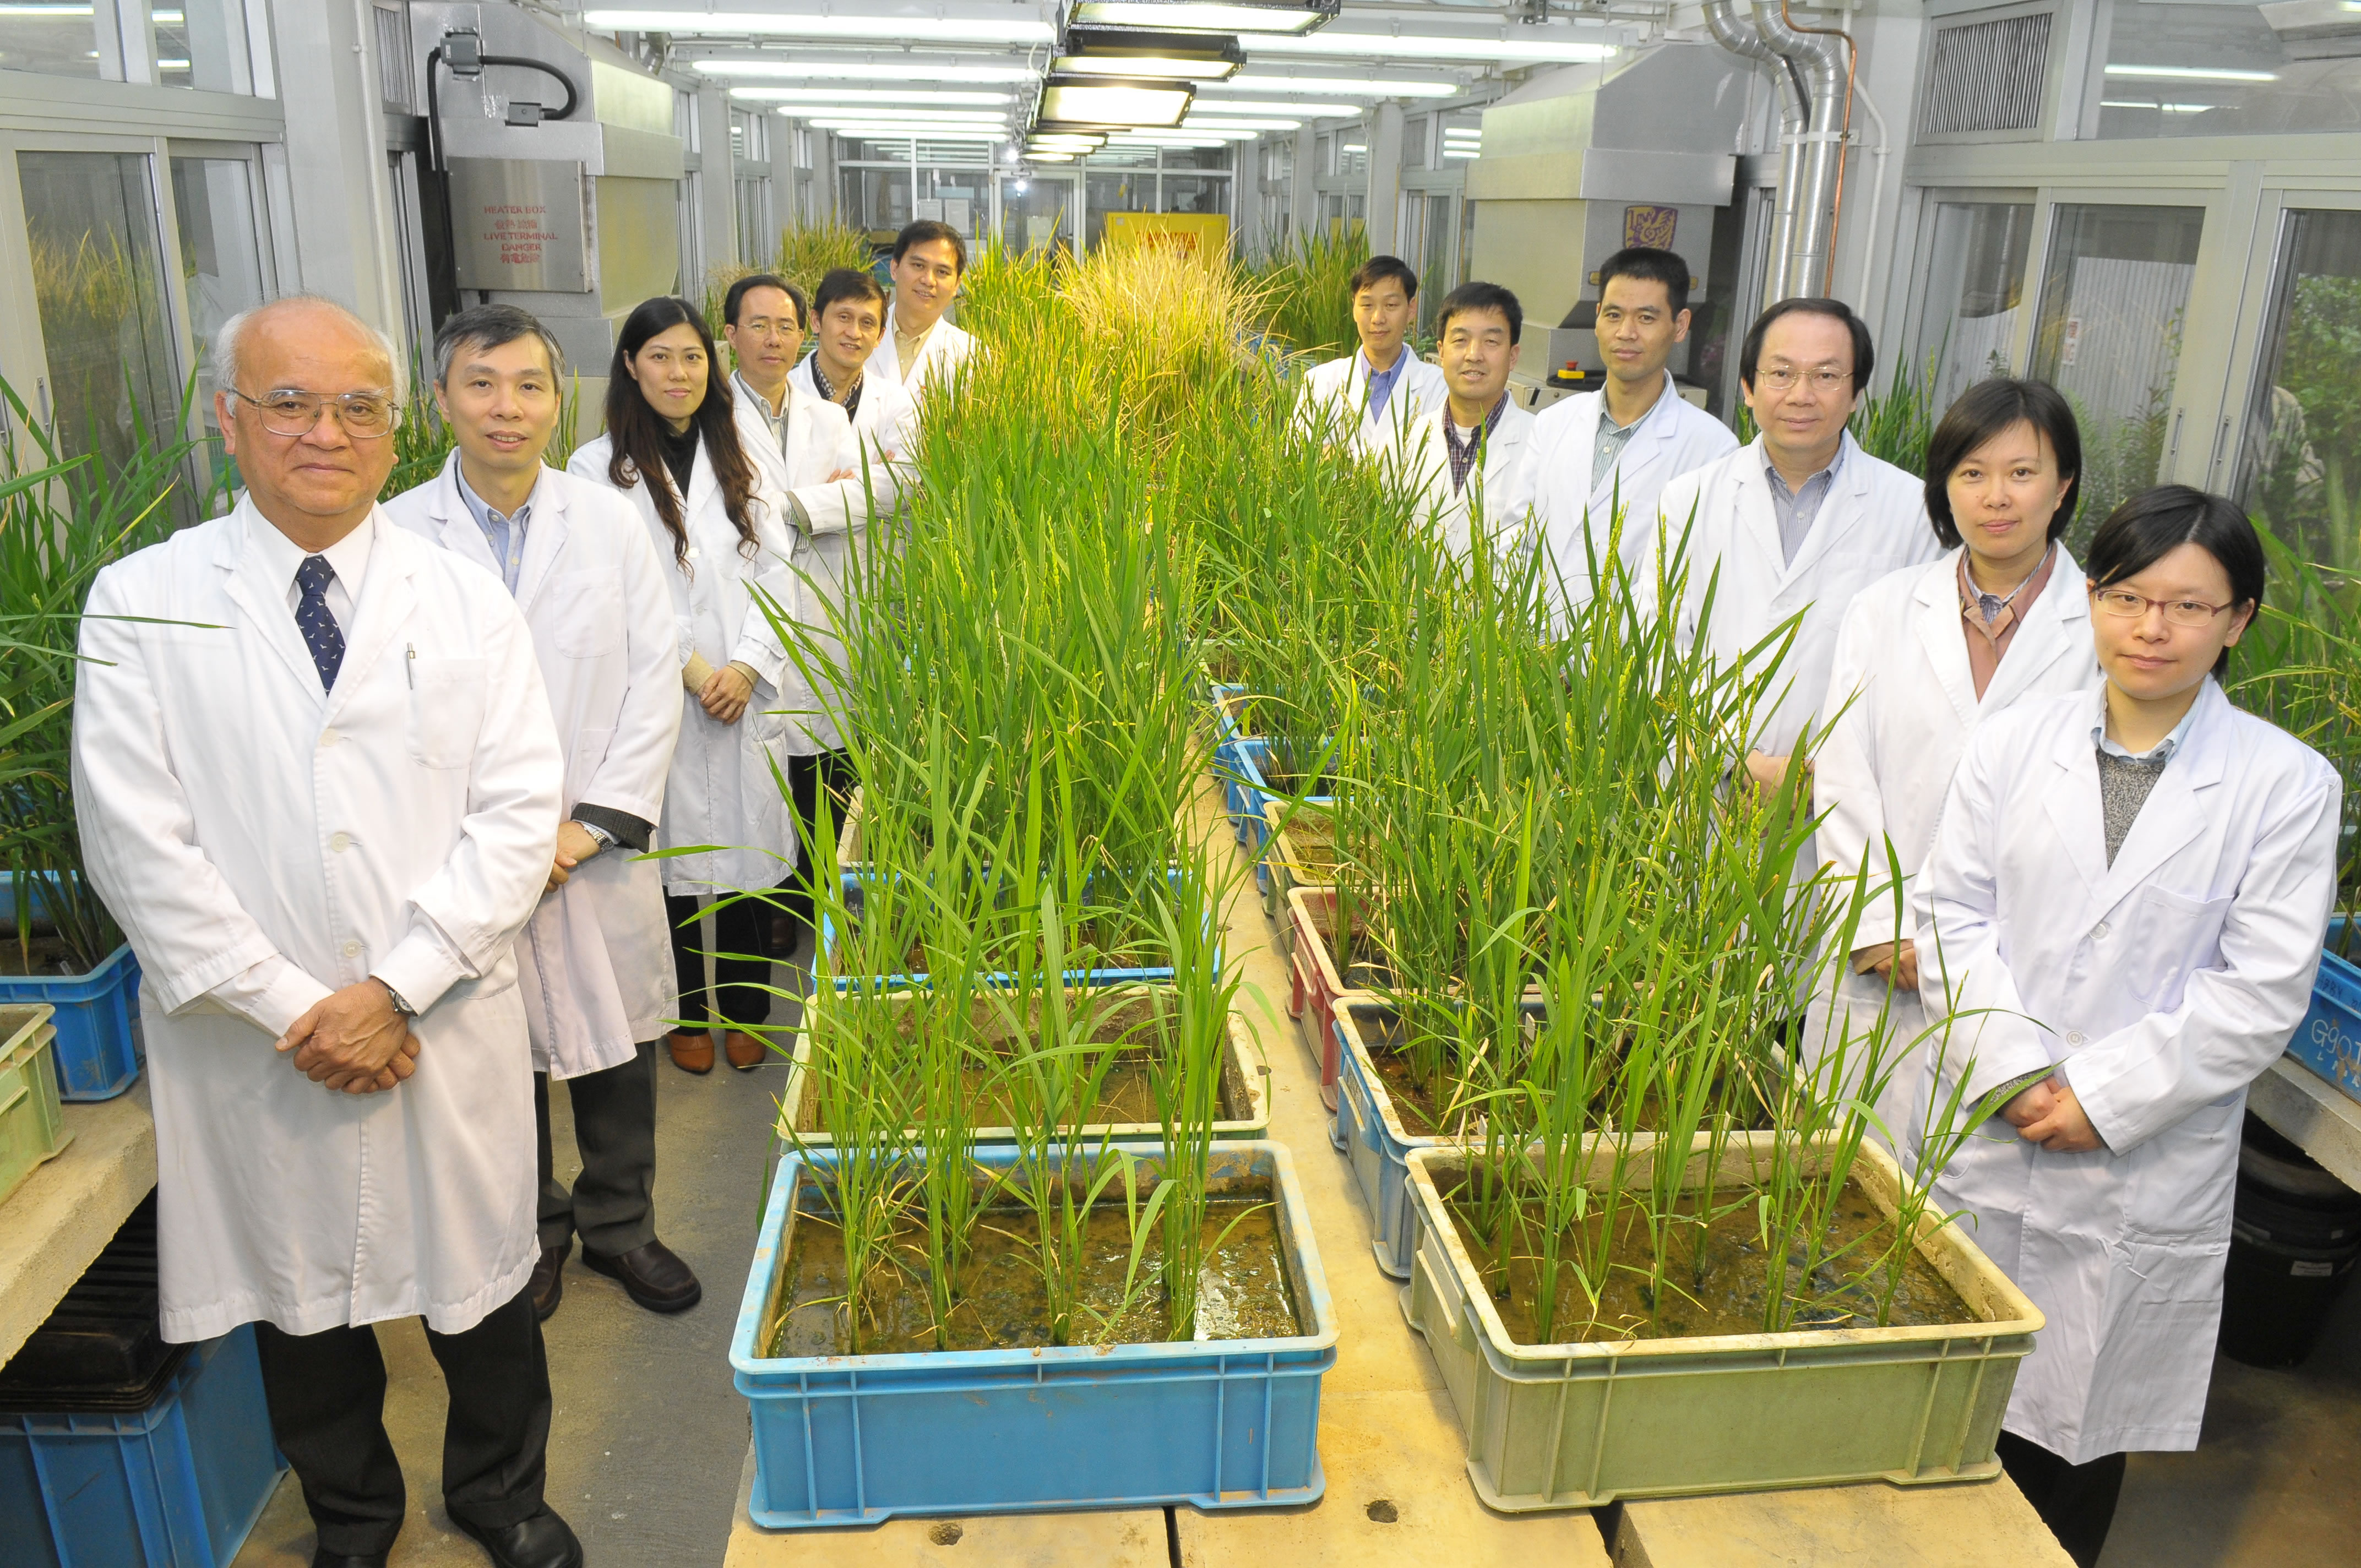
{"points": [[653, 1275], [549, 1279], [543, 1540], [324, 1557]]}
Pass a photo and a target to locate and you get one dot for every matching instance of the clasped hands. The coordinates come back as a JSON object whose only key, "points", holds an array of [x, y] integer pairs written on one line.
{"points": [[353, 1040], [724, 692], [2049, 1114]]}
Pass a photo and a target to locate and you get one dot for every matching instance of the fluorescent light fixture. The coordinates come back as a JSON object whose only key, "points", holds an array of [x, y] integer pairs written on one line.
{"points": [[911, 116], [861, 95], [1200, 15], [1094, 100], [1187, 135], [1461, 153], [1350, 87], [1207, 104], [2190, 73], [1167, 57], [915, 69], [769, 25], [911, 133], [1198, 121], [1389, 46], [1049, 157], [60, 12], [2168, 108]]}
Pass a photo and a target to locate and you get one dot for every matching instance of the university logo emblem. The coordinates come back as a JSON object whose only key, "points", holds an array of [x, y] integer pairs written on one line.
{"points": [[1650, 226]]}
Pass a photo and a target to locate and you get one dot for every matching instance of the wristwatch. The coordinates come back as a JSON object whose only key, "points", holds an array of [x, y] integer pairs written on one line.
{"points": [[606, 840], [399, 1004]]}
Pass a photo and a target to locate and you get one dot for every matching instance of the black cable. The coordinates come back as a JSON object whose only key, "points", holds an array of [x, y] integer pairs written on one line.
{"points": [[573, 93]]}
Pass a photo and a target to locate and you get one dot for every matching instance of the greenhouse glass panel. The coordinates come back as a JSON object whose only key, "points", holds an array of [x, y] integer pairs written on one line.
{"points": [[2108, 336], [200, 44], [2300, 458], [221, 253], [2179, 70], [89, 218], [1974, 293], [52, 41]]}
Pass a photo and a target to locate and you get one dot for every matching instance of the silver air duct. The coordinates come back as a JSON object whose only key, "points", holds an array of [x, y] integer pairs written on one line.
{"points": [[1808, 201], [1737, 34]]}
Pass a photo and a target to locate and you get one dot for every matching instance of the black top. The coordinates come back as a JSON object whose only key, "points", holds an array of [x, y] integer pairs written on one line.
{"points": [[680, 456]]}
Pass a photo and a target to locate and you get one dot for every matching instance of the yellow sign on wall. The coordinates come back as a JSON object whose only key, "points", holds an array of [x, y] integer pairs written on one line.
{"points": [[1194, 234]]}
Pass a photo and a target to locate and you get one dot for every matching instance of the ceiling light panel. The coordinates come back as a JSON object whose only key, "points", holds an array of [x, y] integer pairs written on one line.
{"points": [[1348, 86], [916, 67], [2190, 73], [1202, 15], [1198, 120], [1522, 50], [863, 95], [1207, 104], [1096, 101], [1170, 57], [772, 25]]}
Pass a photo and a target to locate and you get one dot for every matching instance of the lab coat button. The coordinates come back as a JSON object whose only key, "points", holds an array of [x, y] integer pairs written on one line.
{"points": [[2099, 932], [2073, 1036], [340, 842], [329, 737], [353, 950]]}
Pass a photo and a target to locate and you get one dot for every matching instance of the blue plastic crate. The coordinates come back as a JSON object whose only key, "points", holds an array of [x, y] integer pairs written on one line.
{"points": [[1218, 1424], [1224, 726], [857, 880], [176, 1485], [2328, 1041], [1254, 791], [97, 1058]]}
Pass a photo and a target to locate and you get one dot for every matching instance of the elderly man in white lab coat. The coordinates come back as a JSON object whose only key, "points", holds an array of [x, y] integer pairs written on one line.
{"points": [[1791, 525], [596, 961], [318, 783], [1613, 451], [1378, 394], [922, 351], [1468, 461]]}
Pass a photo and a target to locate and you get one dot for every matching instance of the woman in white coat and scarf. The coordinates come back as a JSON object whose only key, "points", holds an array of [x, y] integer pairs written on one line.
{"points": [[2125, 902], [672, 448], [1924, 657]]}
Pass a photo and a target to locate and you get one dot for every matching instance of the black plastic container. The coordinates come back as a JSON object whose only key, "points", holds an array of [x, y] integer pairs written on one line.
{"points": [[2294, 1236], [102, 1348]]}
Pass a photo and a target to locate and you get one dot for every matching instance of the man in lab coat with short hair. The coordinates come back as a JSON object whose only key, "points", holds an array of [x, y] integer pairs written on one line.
{"points": [[919, 350], [595, 963], [317, 782], [1468, 461], [1795, 522], [1617, 448], [1378, 393]]}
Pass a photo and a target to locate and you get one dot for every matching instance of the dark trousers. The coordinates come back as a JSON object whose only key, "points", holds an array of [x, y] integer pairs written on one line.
{"points": [[737, 999], [807, 777], [2076, 1501], [612, 1203], [326, 1393]]}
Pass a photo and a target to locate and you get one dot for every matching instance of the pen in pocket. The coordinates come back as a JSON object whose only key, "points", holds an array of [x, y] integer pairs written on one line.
{"points": [[409, 665]]}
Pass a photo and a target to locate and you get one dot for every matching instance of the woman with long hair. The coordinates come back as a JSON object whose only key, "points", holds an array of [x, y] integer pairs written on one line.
{"points": [[672, 448]]}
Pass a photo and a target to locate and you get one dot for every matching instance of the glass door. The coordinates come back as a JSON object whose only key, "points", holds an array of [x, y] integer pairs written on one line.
{"points": [[2299, 461], [1971, 293], [2108, 334], [1040, 211]]}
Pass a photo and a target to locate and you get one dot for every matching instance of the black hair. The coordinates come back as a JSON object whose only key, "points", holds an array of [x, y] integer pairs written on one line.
{"points": [[1983, 412], [490, 326], [926, 230], [636, 432], [1649, 265], [1864, 353], [1376, 269], [1481, 296], [753, 281], [847, 284], [2154, 523]]}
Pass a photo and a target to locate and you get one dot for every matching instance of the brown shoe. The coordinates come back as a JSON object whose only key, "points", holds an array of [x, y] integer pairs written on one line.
{"points": [[549, 1279], [746, 1052], [692, 1050]]}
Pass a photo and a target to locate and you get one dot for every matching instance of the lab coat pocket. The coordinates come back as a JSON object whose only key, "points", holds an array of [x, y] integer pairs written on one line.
{"points": [[2168, 936], [2153, 1352], [593, 610], [447, 710]]}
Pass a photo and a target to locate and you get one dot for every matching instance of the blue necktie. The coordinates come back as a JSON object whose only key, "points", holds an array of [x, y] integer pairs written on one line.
{"points": [[321, 632]]}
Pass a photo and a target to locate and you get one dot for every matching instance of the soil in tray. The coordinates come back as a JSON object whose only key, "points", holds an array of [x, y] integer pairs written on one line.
{"points": [[1243, 1290], [1363, 968], [1311, 843], [50, 958], [1730, 1298]]}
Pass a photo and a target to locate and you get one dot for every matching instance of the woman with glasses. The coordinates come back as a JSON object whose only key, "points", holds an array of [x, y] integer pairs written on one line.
{"points": [[2127, 896], [1924, 657], [672, 448]]}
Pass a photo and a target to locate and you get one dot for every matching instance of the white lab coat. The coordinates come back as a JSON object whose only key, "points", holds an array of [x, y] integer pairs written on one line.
{"points": [[1873, 522], [1906, 706], [939, 357], [724, 788], [887, 419], [2164, 984], [595, 962], [1337, 392], [1499, 490], [1575, 516], [400, 826], [820, 443]]}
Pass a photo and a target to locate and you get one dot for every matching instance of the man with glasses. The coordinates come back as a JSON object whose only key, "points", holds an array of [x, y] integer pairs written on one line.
{"points": [[1795, 522], [317, 781]]}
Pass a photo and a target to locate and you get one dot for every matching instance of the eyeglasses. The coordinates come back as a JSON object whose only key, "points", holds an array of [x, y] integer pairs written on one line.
{"points": [[1784, 378], [2126, 604], [286, 411]]}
